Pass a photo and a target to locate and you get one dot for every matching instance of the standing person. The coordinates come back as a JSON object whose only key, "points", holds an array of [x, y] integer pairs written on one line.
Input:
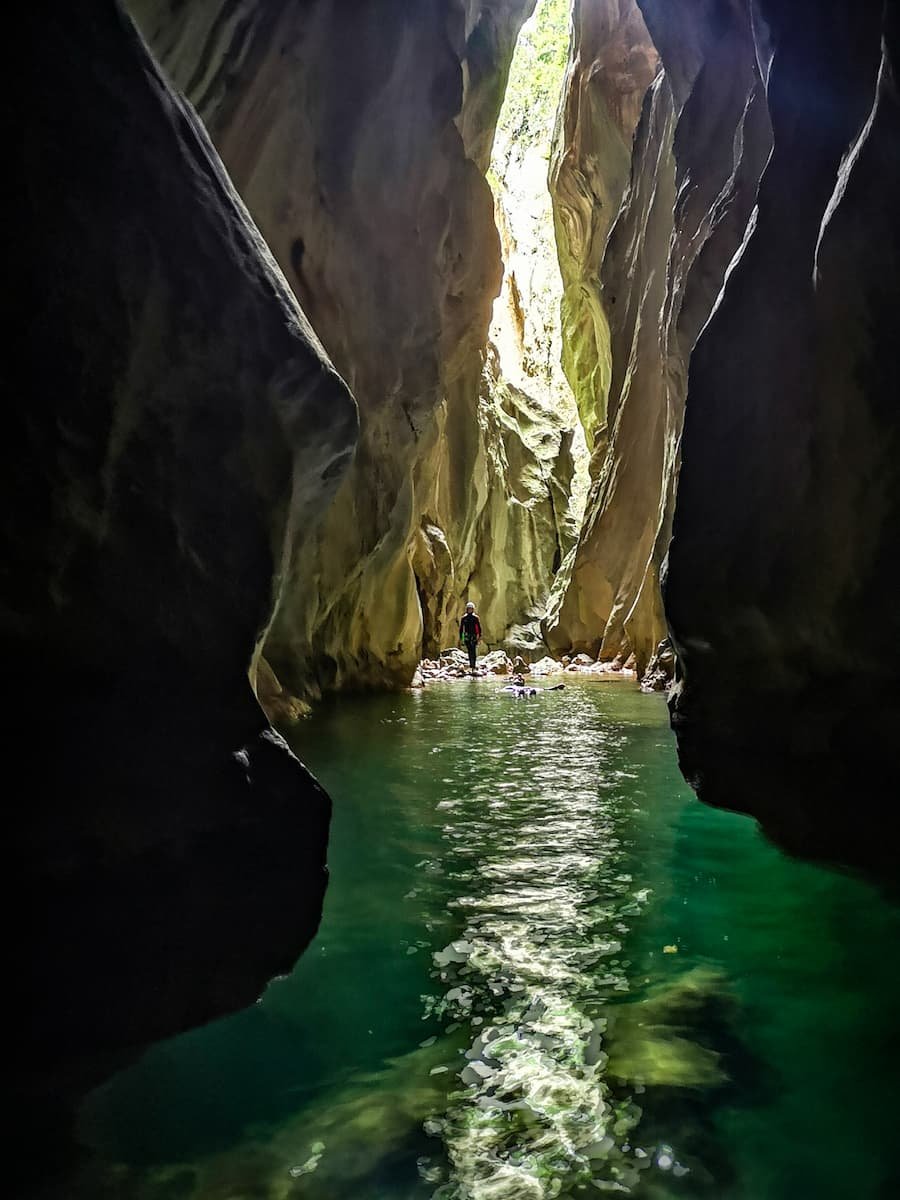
{"points": [[470, 632]]}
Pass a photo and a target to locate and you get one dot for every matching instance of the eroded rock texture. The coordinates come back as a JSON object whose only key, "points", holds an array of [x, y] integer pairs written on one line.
{"points": [[362, 158], [613, 62], [780, 588], [176, 428], [647, 227]]}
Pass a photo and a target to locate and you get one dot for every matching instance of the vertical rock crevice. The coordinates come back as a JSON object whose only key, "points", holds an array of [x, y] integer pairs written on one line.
{"points": [[363, 161], [665, 218]]}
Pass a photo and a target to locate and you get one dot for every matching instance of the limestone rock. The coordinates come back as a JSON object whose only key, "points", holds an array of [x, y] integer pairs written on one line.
{"points": [[277, 703], [546, 666], [654, 239], [454, 658], [788, 515], [362, 161], [613, 61], [176, 424], [661, 668], [497, 662]]}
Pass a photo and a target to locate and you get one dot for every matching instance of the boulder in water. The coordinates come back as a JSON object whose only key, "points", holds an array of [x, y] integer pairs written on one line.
{"points": [[497, 663], [546, 666]]}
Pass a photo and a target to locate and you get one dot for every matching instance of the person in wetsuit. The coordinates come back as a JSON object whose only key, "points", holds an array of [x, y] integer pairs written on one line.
{"points": [[522, 691], [470, 632]]}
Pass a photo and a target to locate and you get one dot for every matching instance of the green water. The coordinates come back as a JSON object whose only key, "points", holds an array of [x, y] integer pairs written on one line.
{"points": [[544, 970]]}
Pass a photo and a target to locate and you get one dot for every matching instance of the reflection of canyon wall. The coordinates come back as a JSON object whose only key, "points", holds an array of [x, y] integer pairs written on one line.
{"points": [[358, 136], [654, 185], [780, 588], [176, 429]]}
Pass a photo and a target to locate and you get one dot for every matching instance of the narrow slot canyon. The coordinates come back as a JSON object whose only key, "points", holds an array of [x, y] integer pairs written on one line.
{"points": [[340, 317]]}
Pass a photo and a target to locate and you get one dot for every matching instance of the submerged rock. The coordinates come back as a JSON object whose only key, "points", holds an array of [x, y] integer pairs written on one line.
{"points": [[650, 1041]]}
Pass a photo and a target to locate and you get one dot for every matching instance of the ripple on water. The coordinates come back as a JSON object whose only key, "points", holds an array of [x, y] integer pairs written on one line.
{"points": [[544, 971]]}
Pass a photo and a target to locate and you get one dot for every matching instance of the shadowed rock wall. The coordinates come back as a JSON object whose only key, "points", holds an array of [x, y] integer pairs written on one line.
{"points": [[176, 429], [362, 159], [780, 589], [645, 247], [787, 512]]}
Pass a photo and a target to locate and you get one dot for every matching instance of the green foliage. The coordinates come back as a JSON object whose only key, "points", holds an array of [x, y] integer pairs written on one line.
{"points": [[535, 81]]}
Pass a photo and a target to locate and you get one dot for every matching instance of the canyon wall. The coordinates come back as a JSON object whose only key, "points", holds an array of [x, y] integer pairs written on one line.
{"points": [[654, 183], [177, 467], [780, 588], [525, 372], [777, 324], [361, 156], [176, 428]]}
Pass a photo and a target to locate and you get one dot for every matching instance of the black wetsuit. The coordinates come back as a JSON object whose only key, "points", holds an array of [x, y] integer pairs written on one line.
{"points": [[470, 632]]}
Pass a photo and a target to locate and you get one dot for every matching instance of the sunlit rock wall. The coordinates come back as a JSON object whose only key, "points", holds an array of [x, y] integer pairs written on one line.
{"points": [[359, 136], [646, 235], [525, 376], [175, 428], [612, 63], [780, 588]]}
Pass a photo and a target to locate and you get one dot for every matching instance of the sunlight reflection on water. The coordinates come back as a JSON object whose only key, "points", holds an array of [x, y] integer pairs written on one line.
{"points": [[543, 968], [535, 1117]]}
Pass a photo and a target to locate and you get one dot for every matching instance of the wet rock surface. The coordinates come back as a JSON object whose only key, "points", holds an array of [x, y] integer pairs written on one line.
{"points": [[177, 424], [649, 226], [180, 490], [786, 523], [363, 162], [454, 664], [661, 669]]}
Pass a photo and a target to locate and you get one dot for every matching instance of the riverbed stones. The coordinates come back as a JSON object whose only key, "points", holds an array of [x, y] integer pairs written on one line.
{"points": [[453, 664], [545, 666], [497, 662]]}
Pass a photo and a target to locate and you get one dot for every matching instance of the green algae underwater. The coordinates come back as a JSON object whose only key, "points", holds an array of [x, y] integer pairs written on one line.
{"points": [[544, 970]]}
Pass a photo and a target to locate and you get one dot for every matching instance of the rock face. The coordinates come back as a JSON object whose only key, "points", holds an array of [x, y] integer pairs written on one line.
{"points": [[612, 63], [647, 231], [780, 586], [362, 160], [525, 370], [787, 510], [177, 428], [179, 485]]}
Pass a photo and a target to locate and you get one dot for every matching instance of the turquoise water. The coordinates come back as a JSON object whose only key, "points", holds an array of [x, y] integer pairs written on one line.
{"points": [[544, 970]]}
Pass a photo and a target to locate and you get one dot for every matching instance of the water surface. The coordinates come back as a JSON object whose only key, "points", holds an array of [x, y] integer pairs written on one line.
{"points": [[544, 970]]}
